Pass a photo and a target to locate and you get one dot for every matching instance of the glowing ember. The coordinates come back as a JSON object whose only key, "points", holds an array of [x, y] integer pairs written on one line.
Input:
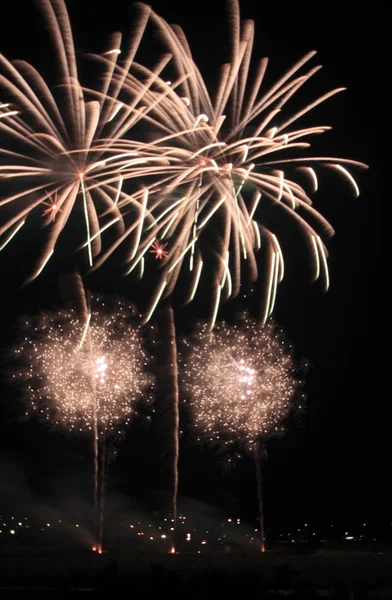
{"points": [[159, 250], [53, 207]]}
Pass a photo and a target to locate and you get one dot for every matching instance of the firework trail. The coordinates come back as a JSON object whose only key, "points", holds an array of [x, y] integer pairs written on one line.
{"points": [[239, 382], [86, 377], [168, 412], [74, 296], [238, 167]]}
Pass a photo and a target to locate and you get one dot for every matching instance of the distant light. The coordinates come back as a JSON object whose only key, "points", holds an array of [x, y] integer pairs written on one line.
{"points": [[20, 524], [203, 542], [131, 526], [188, 537], [48, 525], [12, 531], [229, 520], [151, 538], [349, 537], [163, 536], [76, 525]]}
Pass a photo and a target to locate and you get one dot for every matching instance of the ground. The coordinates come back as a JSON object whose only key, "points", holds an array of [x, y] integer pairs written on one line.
{"points": [[335, 573]]}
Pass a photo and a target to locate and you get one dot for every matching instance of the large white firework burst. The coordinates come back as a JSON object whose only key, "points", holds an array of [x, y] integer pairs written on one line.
{"points": [[239, 166], [52, 162]]}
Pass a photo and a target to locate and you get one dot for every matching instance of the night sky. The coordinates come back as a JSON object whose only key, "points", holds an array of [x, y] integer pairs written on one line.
{"points": [[333, 466]]}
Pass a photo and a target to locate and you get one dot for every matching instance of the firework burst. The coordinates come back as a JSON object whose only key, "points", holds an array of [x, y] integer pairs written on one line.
{"points": [[50, 152], [76, 373], [238, 166], [239, 381]]}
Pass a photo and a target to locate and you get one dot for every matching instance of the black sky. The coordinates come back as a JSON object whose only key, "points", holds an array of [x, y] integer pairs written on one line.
{"points": [[335, 466]]}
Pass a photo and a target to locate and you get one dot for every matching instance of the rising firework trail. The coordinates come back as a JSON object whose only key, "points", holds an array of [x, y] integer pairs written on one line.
{"points": [[85, 377], [239, 383], [168, 411]]}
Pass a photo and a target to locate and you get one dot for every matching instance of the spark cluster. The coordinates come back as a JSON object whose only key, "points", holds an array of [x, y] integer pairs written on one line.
{"points": [[76, 374], [239, 382]]}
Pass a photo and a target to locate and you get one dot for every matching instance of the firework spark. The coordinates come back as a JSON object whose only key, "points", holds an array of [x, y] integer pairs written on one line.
{"points": [[159, 250], [70, 381], [240, 380], [52, 207]]}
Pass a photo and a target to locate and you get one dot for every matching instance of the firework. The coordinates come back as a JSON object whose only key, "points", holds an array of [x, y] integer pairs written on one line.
{"points": [[239, 383], [241, 380], [238, 168], [51, 162], [75, 372]]}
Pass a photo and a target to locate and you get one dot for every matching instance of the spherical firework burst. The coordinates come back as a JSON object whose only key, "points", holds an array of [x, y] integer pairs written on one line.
{"points": [[239, 382], [238, 169], [79, 374]]}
